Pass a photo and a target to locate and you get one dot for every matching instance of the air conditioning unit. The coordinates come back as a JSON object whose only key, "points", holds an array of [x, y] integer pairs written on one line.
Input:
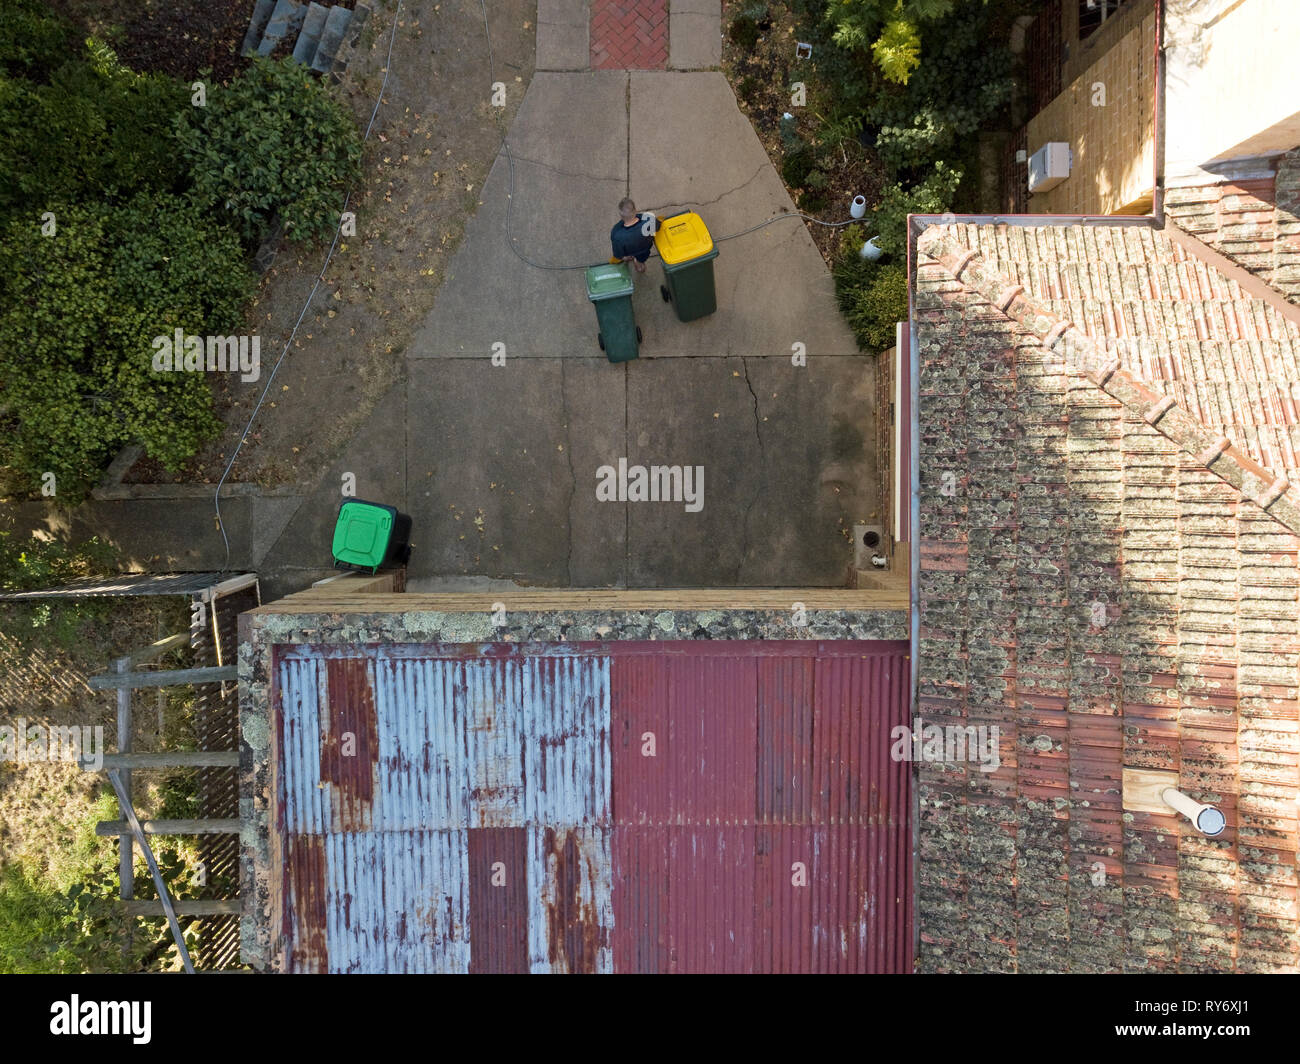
{"points": [[1049, 166]]}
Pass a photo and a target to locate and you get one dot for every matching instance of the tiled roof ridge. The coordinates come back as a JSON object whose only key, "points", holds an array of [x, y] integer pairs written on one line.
{"points": [[1272, 492]]}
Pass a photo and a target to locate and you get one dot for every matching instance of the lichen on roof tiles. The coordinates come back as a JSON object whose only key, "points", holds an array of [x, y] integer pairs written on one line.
{"points": [[1112, 599]]}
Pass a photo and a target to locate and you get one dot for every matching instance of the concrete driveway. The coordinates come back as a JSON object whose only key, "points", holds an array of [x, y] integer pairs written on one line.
{"points": [[503, 460], [499, 463]]}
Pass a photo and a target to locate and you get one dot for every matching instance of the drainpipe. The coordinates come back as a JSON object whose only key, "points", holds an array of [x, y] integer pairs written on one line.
{"points": [[1209, 821], [1157, 122]]}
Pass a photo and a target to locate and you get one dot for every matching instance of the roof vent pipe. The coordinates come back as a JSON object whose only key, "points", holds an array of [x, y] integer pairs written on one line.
{"points": [[1209, 821]]}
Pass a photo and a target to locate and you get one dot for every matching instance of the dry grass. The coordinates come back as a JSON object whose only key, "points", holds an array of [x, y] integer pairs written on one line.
{"points": [[48, 810]]}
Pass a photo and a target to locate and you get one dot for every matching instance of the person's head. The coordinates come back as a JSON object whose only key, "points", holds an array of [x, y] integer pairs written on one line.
{"points": [[626, 209]]}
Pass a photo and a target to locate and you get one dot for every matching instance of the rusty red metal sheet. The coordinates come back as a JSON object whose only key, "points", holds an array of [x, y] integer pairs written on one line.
{"points": [[498, 900], [815, 875], [761, 898], [785, 726], [569, 878], [349, 742], [686, 729], [683, 898], [648, 808], [304, 896], [640, 881], [857, 702], [639, 723]]}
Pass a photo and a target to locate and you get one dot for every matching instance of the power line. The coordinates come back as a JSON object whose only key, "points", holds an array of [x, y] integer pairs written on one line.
{"points": [[216, 495]]}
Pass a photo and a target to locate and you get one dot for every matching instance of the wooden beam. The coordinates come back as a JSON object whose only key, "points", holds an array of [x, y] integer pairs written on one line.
{"points": [[154, 907], [212, 674], [170, 759], [126, 844], [124, 800], [212, 826], [328, 600], [227, 587], [158, 649], [357, 583]]}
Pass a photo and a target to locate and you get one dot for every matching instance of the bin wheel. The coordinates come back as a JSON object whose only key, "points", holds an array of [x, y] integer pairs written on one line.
{"points": [[405, 555], [638, 334], [663, 291], [600, 340]]}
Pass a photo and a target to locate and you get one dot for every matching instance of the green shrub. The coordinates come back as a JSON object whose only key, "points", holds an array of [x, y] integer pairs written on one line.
{"points": [[963, 80], [872, 296], [744, 33], [33, 39], [897, 50], [95, 131], [31, 563], [274, 143], [78, 312], [172, 260], [888, 29], [932, 196], [880, 304], [797, 165]]}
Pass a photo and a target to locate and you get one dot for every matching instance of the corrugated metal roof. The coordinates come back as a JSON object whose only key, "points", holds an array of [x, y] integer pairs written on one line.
{"points": [[635, 807], [125, 585]]}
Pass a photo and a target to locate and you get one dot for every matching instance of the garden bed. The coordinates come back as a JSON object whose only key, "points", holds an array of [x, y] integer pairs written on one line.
{"points": [[176, 37], [823, 162]]}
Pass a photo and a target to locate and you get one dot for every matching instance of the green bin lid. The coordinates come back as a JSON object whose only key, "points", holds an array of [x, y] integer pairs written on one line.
{"points": [[608, 281], [362, 531]]}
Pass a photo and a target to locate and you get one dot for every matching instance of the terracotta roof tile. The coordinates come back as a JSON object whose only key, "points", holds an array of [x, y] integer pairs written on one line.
{"points": [[1109, 601]]}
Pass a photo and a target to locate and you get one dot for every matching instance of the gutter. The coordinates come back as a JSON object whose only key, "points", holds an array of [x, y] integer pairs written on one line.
{"points": [[914, 586], [1158, 123]]}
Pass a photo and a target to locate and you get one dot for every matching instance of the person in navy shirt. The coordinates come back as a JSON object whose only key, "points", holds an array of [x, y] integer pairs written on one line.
{"points": [[628, 237]]}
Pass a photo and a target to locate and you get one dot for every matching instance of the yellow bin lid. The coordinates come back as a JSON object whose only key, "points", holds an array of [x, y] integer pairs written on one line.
{"points": [[682, 237]]}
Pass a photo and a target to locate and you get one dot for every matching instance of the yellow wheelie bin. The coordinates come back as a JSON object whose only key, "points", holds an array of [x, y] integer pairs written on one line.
{"points": [[688, 251]]}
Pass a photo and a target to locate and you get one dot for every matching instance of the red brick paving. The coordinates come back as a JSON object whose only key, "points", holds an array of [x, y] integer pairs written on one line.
{"points": [[629, 34]]}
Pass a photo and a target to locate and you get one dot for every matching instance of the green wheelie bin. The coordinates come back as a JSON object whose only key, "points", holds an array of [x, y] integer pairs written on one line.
{"points": [[687, 250], [369, 535], [609, 287]]}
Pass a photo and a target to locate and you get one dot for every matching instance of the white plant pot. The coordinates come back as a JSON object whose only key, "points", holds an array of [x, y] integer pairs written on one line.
{"points": [[858, 207], [871, 250]]}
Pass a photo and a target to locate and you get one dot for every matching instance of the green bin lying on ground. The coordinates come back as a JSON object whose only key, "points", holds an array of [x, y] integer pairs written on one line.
{"points": [[609, 287], [368, 535], [687, 250]]}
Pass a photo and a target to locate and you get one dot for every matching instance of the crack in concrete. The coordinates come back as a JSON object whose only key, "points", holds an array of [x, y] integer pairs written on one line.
{"points": [[764, 165], [573, 476], [556, 170], [627, 161], [762, 464]]}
